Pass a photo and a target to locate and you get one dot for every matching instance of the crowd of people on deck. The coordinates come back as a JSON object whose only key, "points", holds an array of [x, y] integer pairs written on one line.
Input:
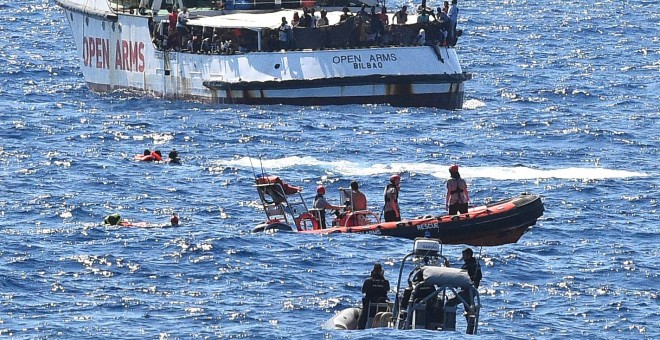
{"points": [[370, 26]]}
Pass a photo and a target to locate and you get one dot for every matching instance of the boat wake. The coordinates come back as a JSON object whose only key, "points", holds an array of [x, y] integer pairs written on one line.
{"points": [[351, 168]]}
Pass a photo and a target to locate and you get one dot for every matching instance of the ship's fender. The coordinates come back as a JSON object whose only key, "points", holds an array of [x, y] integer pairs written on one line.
{"points": [[347, 319]]}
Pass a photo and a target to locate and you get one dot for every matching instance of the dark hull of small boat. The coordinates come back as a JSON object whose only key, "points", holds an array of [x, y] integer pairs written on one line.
{"points": [[495, 224]]}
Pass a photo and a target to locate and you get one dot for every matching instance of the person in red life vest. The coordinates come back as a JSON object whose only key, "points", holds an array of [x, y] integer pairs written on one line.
{"points": [[457, 193], [174, 220], [391, 207], [150, 156]]}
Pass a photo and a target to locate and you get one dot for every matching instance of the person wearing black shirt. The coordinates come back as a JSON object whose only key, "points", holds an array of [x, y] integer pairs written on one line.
{"points": [[375, 289], [472, 266]]}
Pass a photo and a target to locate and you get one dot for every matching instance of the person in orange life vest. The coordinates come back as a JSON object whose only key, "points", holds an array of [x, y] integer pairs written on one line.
{"points": [[174, 220], [321, 204], [359, 199], [391, 194], [457, 193], [156, 156], [375, 289]]}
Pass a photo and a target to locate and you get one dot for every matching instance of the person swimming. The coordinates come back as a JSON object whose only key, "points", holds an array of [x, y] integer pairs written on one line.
{"points": [[173, 157]]}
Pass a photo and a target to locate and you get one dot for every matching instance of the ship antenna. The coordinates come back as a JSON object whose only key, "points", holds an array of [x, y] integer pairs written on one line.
{"points": [[247, 149]]}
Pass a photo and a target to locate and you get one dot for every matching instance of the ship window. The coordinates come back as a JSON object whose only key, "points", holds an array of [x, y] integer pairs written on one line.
{"points": [[87, 21]]}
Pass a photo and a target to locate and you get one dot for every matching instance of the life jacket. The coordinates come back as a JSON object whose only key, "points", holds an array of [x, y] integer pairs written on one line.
{"points": [[156, 157], [387, 188], [113, 219], [457, 187]]}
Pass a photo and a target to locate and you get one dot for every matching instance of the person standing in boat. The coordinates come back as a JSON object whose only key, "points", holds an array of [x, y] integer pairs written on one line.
{"points": [[285, 36], [358, 198], [453, 15], [374, 289], [391, 208], [182, 27], [401, 16], [321, 204], [471, 265], [457, 193]]}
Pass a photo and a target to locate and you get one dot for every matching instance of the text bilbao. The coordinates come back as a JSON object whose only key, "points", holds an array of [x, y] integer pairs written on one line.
{"points": [[128, 55]]}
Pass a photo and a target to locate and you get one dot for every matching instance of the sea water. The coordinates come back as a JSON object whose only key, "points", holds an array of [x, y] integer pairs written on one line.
{"points": [[564, 103]]}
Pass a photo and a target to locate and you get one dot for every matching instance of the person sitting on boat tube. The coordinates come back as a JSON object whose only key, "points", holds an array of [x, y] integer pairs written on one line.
{"points": [[375, 290], [321, 204], [391, 194], [457, 193]]}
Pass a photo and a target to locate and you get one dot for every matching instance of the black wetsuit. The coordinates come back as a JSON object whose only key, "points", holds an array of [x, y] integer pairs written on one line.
{"points": [[375, 289]]}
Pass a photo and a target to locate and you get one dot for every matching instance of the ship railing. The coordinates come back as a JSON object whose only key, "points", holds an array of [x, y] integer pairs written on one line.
{"points": [[341, 35]]}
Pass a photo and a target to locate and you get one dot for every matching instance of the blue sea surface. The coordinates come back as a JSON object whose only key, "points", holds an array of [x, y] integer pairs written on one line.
{"points": [[565, 102]]}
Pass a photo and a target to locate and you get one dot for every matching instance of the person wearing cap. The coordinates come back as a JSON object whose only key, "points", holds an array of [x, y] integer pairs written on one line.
{"points": [[321, 204], [457, 197], [374, 289], [391, 195]]}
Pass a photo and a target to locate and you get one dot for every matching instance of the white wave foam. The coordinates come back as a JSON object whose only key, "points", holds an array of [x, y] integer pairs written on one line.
{"points": [[357, 168], [472, 104]]}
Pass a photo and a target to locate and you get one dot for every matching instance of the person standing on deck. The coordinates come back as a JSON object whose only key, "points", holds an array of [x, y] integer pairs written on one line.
{"points": [[453, 15]]}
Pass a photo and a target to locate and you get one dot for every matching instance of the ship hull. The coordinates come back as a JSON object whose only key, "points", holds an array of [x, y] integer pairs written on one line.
{"points": [[117, 53]]}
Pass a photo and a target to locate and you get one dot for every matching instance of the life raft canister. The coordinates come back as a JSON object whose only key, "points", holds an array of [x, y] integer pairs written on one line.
{"points": [[305, 217]]}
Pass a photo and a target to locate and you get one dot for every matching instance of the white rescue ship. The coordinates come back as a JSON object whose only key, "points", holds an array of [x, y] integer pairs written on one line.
{"points": [[232, 53]]}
